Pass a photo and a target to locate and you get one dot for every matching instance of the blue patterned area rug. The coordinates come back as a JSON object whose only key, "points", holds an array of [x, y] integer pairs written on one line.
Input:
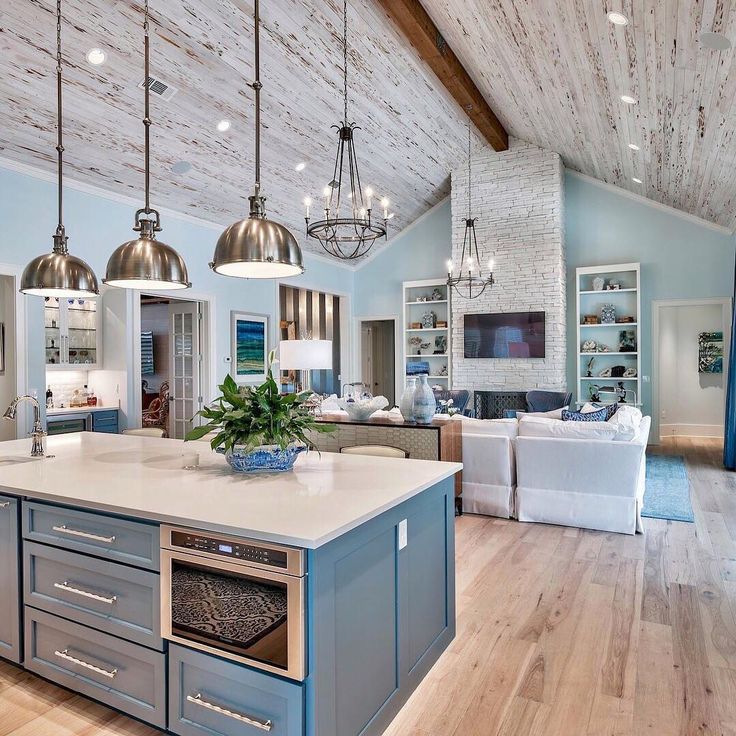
{"points": [[667, 492]]}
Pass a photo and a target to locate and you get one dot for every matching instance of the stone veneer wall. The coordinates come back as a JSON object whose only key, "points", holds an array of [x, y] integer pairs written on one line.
{"points": [[518, 203]]}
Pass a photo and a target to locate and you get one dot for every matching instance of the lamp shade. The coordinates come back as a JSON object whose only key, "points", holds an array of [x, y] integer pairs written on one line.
{"points": [[60, 275], [146, 263], [257, 248], [305, 355]]}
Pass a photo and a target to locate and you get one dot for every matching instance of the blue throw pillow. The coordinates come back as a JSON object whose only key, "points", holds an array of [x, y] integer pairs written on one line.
{"points": [[591, 416]]}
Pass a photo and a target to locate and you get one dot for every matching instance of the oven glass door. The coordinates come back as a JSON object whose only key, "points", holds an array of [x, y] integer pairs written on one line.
{"points": [[236, 610]]}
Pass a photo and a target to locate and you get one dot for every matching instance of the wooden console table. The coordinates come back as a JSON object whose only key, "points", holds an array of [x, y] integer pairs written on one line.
{"points": [[439, 440]]}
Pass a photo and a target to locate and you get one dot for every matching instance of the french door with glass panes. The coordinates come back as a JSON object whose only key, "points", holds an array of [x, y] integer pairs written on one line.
{"points": [[185, 395], [72, 334]]}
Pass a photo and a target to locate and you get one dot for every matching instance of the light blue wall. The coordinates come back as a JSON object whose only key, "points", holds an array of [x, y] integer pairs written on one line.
{"points": [[680, 258], [97, 225], [421, 252]]}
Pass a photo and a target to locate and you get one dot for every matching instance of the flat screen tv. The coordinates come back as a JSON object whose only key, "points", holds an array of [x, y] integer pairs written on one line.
{"points": [[504, 335]]}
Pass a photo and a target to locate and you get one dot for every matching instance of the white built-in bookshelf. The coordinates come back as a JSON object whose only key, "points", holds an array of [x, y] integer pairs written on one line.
{"points": [[626, 303], [418, 300]]}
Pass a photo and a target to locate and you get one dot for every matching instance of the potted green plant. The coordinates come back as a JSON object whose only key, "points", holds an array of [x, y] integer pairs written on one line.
{"points": [[258, 428]]}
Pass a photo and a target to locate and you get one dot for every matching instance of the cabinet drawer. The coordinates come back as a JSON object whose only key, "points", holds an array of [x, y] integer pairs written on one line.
{"points": [[9, 580], [114, 598], [125, 676], [211, 696], [131, 542], [102, 417]]}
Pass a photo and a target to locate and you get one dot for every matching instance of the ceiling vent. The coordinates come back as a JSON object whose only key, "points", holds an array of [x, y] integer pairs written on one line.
{"points": [[159, 88]]}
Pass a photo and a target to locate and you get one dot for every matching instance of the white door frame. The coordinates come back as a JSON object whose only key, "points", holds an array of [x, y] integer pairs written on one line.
{"points": [[657, 305], [21, 364], [207, 338], [398, 357]]}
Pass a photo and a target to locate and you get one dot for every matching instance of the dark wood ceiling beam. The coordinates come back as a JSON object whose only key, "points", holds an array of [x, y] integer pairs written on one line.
{"points": [[423, 34]]}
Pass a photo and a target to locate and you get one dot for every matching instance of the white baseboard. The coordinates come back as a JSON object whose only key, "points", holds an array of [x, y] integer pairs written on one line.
{"points": [[691, 430]]}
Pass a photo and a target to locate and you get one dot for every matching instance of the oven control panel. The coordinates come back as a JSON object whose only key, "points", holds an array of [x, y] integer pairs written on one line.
{"points": [[239, 551]]}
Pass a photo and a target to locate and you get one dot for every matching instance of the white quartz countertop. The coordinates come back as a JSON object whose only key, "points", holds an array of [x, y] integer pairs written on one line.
{"points": [[78, 410], [325, 496]]}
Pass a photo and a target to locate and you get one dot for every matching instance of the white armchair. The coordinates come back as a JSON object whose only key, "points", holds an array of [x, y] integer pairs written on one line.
{"points": [[590, 483]]}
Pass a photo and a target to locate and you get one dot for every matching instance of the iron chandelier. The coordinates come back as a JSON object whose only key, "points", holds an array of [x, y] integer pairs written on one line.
{"points": [[257, 248], [144, 262], [59, 274], [348, 230], [471, 280]]}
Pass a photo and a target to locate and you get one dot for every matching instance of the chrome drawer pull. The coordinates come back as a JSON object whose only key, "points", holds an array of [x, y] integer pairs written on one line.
{"points": [[4, 504], [64, 529], [263, 725], [78, 591], [64, 654]]}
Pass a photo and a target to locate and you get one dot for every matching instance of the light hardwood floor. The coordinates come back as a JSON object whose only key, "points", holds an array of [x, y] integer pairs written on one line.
{"points": [[561, 632]]}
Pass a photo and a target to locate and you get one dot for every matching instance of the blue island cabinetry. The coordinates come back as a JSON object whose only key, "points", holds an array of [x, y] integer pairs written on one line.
{"points": [[379, 610]]}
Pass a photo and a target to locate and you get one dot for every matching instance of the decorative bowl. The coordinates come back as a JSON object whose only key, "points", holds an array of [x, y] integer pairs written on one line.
{"points": [[264, 459], [362, 408]]}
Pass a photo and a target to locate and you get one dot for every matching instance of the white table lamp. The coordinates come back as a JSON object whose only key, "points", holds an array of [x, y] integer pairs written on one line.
{"points": [[305, 355]]}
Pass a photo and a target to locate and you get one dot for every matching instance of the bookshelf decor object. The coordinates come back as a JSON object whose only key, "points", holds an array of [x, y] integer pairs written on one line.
{"points": [[426, 342], [608, 333]]}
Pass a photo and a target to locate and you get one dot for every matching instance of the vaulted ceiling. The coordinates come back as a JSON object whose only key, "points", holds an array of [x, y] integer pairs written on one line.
{"points": [[552, 70], [412, 132]]}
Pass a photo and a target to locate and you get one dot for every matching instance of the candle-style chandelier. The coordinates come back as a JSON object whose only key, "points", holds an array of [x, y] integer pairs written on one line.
{"points": [[470, 281], [348, 229]]}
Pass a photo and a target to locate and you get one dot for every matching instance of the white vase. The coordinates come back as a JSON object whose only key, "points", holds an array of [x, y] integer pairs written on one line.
{"points": [[424, 404], [407, 399]]}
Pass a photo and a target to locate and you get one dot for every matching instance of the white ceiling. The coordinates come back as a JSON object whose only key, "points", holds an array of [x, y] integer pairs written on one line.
{"points": [[412, 132], [553, 71]]}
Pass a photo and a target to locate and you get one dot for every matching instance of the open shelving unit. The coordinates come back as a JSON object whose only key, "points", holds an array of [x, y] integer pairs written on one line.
{"points": [[626, 302], [414, 293]]}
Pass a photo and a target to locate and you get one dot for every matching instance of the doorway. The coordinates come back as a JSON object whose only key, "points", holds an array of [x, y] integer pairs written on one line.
{"points": [[691, 341], [171, 363], [378, 357], [8, 378]]}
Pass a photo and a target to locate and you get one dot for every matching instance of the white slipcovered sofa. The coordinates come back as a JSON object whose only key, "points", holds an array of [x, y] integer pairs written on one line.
{"points": [[541, 469], [489, 468]]}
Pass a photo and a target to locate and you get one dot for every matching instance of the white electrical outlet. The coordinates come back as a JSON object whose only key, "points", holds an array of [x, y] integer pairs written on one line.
{"points": [[403, 534]]}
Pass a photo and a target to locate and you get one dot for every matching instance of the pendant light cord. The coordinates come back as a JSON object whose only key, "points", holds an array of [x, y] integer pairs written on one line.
{"points": [[469, 177], [146, 110], [257, 88], [345, 60], [60, 240]]}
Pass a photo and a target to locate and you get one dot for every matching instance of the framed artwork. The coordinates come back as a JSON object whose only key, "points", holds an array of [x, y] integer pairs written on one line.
{"points": [[2, 347], [710, 352], [248, 347]]}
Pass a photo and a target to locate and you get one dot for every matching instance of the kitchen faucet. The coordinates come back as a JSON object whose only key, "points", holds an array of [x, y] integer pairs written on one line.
{"points": [[37, 434]]}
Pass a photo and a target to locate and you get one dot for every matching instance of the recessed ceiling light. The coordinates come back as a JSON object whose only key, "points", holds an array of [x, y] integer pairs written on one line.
{"points": [[635, 180], [628, 99], [618, 19], [300, 166], [96, 56], [715, 41], [634, 147], [181, 167], [223, 126]]}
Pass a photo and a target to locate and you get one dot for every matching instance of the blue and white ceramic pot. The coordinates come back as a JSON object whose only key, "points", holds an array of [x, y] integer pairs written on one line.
{"points": [[407, 399], [424, 403], [264, 459]]}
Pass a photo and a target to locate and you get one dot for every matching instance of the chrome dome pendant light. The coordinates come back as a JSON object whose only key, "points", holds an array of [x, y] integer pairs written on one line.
{"points": [[257, 248], [58, 273], [146, 263], [470, 281], [352, 236]]}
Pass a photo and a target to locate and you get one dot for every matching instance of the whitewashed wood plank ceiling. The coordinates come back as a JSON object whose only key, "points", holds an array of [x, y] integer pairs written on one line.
{"points": [[412, 132], [554, 70]]}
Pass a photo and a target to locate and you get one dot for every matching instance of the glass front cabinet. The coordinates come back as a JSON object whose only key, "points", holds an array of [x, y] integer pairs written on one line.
{"points": [[72, 333]]}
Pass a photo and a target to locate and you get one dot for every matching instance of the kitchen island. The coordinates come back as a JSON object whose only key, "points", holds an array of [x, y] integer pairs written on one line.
{"points": [[354, 557]]}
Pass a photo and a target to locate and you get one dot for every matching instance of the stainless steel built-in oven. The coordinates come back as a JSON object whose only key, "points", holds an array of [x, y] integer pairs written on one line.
{"points": [[234, 597]]}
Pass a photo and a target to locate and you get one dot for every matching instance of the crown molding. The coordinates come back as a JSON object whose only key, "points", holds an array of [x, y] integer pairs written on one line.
{"points": [[35, 172], [401, 233], [641, 199]]}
